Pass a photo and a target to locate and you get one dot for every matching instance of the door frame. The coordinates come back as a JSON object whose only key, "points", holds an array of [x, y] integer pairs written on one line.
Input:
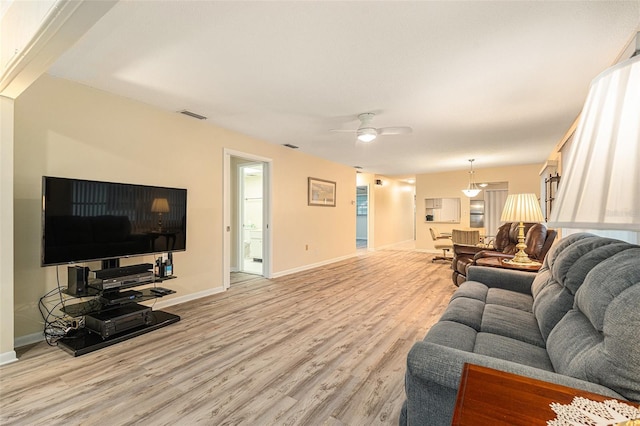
{"points": [[226, 213]]}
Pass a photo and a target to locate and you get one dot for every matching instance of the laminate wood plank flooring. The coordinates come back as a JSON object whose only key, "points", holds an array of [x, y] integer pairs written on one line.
{"points": [[326, 346], [241, 277]]}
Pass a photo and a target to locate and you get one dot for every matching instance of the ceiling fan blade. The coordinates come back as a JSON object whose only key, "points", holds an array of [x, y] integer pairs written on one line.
{"points": [[342, 131], [395, 131]]}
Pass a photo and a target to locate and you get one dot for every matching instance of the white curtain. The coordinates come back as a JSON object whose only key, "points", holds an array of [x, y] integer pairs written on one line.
{"points": [[494, 200]]}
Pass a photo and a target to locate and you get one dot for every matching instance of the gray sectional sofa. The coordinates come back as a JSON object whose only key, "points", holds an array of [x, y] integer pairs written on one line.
{"points": [[576, 323]]}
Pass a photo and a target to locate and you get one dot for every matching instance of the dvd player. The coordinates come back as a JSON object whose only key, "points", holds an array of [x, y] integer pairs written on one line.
{"points": [[123, 281], [104, 274], [118, 297]]}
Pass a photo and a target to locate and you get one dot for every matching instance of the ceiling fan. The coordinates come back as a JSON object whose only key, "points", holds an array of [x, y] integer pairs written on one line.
{"points": [[366, 132]]}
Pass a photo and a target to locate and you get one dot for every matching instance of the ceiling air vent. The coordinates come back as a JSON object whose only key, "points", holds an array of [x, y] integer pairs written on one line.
{"points": [[288, 145], [192, 114]]}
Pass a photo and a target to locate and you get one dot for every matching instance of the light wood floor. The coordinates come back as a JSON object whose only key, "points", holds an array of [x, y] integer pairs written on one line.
{"points": [[326, 346]]}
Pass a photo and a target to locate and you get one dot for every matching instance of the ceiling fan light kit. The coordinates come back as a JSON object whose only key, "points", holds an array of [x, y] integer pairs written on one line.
{"points": [[367, 135], [472, 190]]}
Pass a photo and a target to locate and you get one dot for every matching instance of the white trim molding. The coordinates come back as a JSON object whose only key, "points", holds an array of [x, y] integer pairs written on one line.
{"points": [[8, 357]]}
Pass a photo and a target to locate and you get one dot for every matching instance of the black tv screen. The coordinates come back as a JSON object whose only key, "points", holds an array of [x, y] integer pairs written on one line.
{"points": [[85, 220]]}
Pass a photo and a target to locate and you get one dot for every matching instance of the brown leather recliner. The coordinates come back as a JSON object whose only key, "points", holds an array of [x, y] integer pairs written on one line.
{"points": [[537, 238]]}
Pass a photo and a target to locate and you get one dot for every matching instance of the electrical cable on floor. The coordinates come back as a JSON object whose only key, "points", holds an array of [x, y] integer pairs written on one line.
{"points": [[57, 325]]}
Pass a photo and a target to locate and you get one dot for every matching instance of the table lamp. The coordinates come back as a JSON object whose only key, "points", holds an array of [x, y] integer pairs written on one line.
{"points": [[521, 208], [160, 205]]}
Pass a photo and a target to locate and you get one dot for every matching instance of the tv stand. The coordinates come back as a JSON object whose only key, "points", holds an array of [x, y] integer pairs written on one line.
{"points": [[83, 342], [112, 316]]}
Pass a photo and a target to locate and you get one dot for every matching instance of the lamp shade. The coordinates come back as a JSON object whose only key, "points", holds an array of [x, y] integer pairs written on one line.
{"points": [[522, 208], [160, 205], [600, 186]]}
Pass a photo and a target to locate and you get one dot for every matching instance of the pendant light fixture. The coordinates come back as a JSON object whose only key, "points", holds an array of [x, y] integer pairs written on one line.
{"points": [[472, 190]]}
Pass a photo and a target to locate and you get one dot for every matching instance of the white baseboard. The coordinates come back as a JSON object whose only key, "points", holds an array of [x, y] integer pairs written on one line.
{"points": [[29, 339], [8, 357], [311, 266]]}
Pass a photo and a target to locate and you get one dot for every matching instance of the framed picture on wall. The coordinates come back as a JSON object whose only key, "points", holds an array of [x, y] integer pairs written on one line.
{"points": [[321, 192]]}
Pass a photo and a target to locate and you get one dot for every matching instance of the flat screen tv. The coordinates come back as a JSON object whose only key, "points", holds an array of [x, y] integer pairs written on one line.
{"points": [[84, 220]]}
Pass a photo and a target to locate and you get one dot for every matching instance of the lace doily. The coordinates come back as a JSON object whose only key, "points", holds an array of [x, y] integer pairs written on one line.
{"points": [[585, 412]]}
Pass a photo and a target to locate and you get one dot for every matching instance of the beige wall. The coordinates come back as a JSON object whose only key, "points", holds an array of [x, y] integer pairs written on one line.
{"points": [[7, 353], [521, 179], [66, 129], [394, 211], [391, 210]]}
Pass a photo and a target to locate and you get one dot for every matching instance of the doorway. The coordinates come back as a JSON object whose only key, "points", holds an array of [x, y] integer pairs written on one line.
{"points": [[362, 217], [246, 216], [250, 218]]}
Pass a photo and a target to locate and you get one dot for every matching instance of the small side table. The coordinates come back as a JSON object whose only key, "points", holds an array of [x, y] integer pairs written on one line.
{"points": [[488, 397], [497, 262]]}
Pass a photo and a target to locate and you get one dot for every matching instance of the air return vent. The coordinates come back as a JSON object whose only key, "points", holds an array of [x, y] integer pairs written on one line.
{"points": [[288, 145], [192, 114]]}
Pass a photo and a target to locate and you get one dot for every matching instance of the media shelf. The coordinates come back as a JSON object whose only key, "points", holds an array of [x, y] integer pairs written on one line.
{"points": [[84, 341], [110, 316], [96, 305]]}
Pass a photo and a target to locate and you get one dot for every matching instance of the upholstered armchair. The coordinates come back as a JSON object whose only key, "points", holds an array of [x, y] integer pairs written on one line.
{"points": [[537, 238]]}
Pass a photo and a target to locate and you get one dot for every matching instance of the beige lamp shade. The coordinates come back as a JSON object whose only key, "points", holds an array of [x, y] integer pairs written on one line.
{"points": [[522, 208], [160, 205], [600, 186]]}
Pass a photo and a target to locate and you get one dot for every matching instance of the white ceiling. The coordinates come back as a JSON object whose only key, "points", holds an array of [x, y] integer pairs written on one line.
{"points": [[497, 81]]}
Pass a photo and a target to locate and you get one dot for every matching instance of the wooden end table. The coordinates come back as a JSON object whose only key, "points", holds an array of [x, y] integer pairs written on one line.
{"points": [[496, 262], [495, 398]]}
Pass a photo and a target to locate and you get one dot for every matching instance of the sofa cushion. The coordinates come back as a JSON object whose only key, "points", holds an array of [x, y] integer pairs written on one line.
{"points": [[494, 296], [535, 239], [564, 271], [452, 335], [512, 323], [599, 339], [471, 290], [514, 350], [465, 311], [511, 299], [605, 283]]}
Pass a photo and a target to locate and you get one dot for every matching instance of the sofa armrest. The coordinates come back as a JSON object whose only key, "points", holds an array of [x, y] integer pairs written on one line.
{"points": [[441, 365], [507, 279], [489, 253], [468, 250]]}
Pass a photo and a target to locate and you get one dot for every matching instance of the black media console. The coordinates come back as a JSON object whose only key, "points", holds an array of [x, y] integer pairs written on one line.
{"points": [[112, 314]]}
